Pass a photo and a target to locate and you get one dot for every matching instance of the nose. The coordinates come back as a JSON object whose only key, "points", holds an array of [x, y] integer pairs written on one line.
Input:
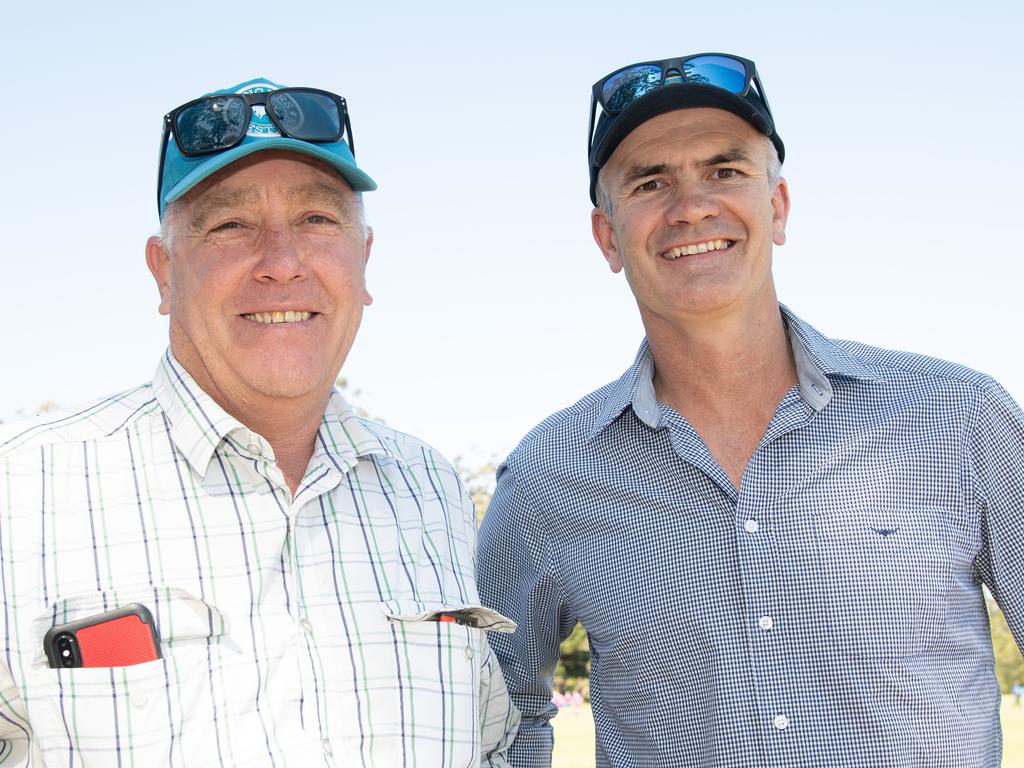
{"points": [[691, 203], [280, 256]]}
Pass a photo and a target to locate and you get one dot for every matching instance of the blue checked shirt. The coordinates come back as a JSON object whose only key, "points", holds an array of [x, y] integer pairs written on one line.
{"points": [[829, 613], [294, 631]]}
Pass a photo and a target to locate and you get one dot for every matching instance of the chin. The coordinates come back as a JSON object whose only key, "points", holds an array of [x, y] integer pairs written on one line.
{"points": [[288, 387], [285, 376]]}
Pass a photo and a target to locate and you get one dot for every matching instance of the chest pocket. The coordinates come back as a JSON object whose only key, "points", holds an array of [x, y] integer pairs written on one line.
{"points": [[421, 681], [884, 576], [96, 710]]}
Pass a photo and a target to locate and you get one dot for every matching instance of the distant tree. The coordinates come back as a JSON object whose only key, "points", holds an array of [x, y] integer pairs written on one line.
{"points": [[1009, 661], [479, 484], [350, 393], [573, 670], [45, 407]]}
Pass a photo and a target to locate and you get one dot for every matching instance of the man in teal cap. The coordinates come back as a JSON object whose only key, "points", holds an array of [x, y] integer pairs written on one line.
{"points": [[308, 574]]}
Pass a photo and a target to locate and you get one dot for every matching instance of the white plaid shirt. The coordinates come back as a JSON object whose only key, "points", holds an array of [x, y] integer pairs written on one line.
{"points": [[293, 632], [828, 613]]}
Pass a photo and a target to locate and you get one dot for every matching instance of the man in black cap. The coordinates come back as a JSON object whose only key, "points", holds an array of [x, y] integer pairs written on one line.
{"points": [[776, 541]]}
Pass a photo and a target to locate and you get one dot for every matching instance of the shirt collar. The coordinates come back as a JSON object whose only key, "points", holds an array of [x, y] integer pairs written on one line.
{"points": [[198, 425], [817, 357]]}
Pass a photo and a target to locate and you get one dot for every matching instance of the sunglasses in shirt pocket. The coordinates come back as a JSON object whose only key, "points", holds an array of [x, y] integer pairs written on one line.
{"points": [[87, 709], [439, 646], [885, 573]]}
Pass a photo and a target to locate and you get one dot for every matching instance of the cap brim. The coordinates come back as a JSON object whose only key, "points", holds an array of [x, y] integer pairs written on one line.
{"points": [[356, 179]]}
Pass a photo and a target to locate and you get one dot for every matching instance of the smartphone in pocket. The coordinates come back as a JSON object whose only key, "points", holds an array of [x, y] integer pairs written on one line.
{"points": [[118, 638]]}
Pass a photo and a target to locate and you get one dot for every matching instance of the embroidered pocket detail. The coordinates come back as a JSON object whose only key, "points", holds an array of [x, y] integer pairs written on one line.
{"points": [[884, 576]]}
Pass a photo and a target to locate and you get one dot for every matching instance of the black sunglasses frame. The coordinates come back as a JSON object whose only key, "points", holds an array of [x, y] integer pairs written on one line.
{"points": [[257, 99], [671, 65]]}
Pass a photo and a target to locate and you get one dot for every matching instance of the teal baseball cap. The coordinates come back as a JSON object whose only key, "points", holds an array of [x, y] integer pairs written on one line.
{"points": [[297, 112]]}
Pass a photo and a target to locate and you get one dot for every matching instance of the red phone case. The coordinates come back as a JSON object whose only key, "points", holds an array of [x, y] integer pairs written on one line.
{"points": [[118, 638]]}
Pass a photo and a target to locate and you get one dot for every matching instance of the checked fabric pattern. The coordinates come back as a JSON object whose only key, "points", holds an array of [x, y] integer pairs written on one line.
{"points": [[828, 613], [292, 630]]}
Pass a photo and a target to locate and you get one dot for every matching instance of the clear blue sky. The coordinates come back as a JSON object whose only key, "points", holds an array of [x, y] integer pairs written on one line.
{"points": [[493, 307]]}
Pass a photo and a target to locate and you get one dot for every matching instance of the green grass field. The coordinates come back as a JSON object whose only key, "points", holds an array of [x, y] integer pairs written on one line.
{"points": [[574, 737]]}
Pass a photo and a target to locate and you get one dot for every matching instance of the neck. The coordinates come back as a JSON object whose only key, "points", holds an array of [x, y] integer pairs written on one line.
{"points": [[288, 423], [714, 362], [291, 432]]}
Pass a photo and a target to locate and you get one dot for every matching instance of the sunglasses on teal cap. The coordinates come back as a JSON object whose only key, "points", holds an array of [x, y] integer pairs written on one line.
{"points": [[624, 87], [221, 121]]}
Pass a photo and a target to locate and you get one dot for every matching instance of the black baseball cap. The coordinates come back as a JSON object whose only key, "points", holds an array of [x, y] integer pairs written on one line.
{"points": [[634, 94]]}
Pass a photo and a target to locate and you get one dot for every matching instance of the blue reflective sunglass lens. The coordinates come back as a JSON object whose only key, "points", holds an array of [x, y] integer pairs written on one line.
{"points": [[720, 71], [212, 124], [306, 116], [625, 87]]}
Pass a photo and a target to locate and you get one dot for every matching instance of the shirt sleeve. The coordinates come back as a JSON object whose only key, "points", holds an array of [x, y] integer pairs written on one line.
{"points": [[15, 733], [499, 719], [518, 577], [997, 448]]}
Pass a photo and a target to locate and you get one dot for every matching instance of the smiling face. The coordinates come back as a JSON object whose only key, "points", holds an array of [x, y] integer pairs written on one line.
{"points": [[690, 213], [264, 280]]}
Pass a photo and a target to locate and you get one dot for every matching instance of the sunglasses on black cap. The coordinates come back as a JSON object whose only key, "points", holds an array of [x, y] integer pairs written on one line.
{"points": [[219, 122], [624, 87]]}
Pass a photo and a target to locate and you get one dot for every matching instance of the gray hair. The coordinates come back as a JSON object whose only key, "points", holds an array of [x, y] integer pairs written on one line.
{"points": [[774, 165]]}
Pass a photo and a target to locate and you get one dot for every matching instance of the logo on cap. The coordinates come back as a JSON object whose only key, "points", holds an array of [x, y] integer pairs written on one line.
{"points": [[260, 125]]}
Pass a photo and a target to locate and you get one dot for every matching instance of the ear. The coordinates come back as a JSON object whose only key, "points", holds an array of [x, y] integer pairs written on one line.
{"points": [[780, 211], [158, 259], [604, 235], [367, 298]]}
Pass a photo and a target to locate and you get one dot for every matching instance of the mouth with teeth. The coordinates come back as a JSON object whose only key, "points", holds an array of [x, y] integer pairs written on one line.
{"points": [[695, 248], [273, 318]]}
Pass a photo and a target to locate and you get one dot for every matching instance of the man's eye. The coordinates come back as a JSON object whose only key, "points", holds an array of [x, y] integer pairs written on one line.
{"points": [[726, 173], [649, 186], [227, 225], [319, 218]]}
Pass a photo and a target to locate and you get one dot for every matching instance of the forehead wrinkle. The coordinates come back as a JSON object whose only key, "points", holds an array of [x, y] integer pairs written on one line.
{"points": [[340, 200], [320, 191], [218, 199]]}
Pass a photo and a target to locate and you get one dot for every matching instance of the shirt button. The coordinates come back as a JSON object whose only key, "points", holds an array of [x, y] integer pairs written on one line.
{"points": [[751, 526], [766, 623], [306, 626], [139, 699], [469, 652], [781, 722], [327, 747], [254, 448]]}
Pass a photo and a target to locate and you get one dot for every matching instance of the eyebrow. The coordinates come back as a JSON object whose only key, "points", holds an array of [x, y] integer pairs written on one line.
{"points": [[210, 203], [319, 192], [638, 172], [735, 155]]}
